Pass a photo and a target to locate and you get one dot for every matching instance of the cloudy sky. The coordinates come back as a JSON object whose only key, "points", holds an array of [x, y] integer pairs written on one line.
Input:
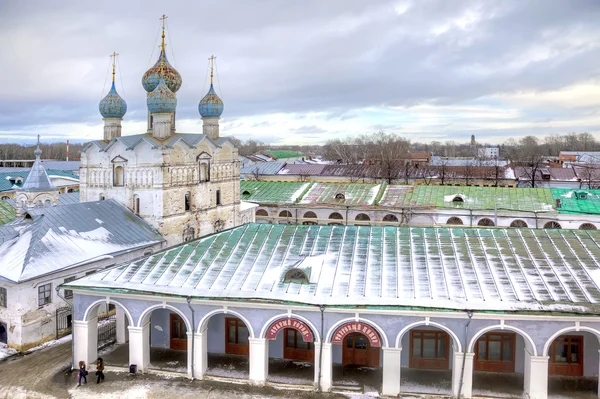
{"points": [[307, 71]]}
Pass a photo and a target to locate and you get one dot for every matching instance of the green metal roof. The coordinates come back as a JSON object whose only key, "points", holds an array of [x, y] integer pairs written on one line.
{"points": [[441, 268], [7, 212], [354, 194], [577, 201], [279, 154], [272, 192]]}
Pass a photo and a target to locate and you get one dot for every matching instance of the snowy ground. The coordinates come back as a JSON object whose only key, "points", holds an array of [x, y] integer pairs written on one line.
{"points": [[5, 351]]}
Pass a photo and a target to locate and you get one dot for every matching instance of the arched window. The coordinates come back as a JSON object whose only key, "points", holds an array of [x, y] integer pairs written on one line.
{"points": [[295, 276], [552, 225], [455, 221], [390, 219], [309, 215], [336, 216], [587, 226], [204, 171], [218, 199], [136, 205], [70, 190], [262, 212], [340, 196], [363, 217], [486, 222], [246, 194], [518, 223], [285, 214], [5, 197], [118, 178], [187, 201], [458, 198]]}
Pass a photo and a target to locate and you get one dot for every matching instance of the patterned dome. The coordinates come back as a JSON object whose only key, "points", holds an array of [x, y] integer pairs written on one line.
{"points": [[162, 100], [112, 106], [211, 104], [152, 75]]}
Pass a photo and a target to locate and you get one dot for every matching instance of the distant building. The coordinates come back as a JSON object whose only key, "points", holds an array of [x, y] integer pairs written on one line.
{"points": [[489, 152]]}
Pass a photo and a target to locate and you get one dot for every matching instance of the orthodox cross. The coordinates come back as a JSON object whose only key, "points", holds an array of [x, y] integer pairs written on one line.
{"points": [[212, 59], [162, 45], [114, 62]]}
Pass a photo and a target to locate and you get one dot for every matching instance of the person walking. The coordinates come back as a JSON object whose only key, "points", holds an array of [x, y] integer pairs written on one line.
{"points": [[82, 373], [100, 370]]}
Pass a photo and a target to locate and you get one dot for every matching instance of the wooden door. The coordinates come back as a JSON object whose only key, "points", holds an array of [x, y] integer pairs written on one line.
{"points": [[495, 352], [178, 333], [357, 351], [236, 337], [429, 350], [566, 356], [294, 347]]}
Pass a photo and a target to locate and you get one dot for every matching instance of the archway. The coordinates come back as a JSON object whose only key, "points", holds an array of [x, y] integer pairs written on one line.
{"points": [[501, 356], [356, 353], [291, 349], [428, 353], [225, 341], [106, 331], [168, 330], [573, 361], [310, 215]]}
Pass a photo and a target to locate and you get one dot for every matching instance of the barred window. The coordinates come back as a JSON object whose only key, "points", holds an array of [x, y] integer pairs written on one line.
{"points": [[2, 297], [44, 294]]}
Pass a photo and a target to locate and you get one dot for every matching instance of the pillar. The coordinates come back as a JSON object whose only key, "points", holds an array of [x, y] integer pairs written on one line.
{"points": [[326, 367], [466, 374], [122, 322], [85, 341], [200, 354], [536, 376], [391, 371], [259, 360], [139, 346]]}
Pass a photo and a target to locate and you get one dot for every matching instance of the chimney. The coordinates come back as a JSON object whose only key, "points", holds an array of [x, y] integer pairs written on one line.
{"points": [[558, 203]]}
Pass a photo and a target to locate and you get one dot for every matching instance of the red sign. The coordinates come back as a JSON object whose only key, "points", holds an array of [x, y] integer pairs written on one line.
{"points": [[300, 326], [356, 327]]}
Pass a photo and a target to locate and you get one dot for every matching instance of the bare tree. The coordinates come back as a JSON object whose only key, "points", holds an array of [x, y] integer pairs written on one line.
{"points": [[531, 159]]}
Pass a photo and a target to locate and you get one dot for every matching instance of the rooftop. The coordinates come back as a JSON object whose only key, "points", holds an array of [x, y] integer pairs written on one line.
{"points": [[577, 201], [342, 194], [348, 266], [272, 192]]}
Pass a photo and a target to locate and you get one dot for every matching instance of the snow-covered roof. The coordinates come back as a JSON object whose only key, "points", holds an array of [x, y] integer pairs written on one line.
{"points": [[409, 267], [57, 238]]}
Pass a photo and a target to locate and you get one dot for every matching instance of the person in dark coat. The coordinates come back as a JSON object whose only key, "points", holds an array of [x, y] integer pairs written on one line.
{"points": [[100, 370], [82, 373]]}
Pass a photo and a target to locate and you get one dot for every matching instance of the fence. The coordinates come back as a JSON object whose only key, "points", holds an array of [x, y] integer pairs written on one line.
{"points": [[107, 330], [64, 321]]}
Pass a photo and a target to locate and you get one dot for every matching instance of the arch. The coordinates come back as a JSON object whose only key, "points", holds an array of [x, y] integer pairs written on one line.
{"points": [[552, 225], [86, 315], [310, 214], [119, 176], [390, 218], [149, 310], [455, 221], [486, 222], [379, 330], [362, 217], [295, 275], [588, 226], [340, 196], [285, 214], [204, 321], [315, 332], [458, 198], [526, 337], [336, 215], [457, 344], [261, 212], [246, 193], [518, 223], [566, 330]]}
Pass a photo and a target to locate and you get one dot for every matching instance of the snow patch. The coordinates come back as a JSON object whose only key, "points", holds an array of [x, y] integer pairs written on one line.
{"points": [[99, 221], [6, 351], [157, 327], [299, 191]]}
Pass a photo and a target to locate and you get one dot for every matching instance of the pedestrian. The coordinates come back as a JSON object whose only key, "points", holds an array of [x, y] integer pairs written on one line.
{"points": [[100, 370], [82, 373]]}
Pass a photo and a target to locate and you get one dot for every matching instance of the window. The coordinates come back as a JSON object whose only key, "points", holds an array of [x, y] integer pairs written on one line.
{"points": [[186, 201], [309, 215], [136, 204], [518, 223], [236, 336], [458, 198], [587, 226], [390, 218], [5, 197], [204, 171], [285, 214], [566, 356], [336, 216], [429, 349], [118, 178], [3, 295], [261, 212], [293, 340], [90, 272], [69, 293], [218, 196], [340, 196], [495, 352], [486, 222], [295, 276], [44, 294], [552, 225], [246, 194], [102, 197], [363, 217], [455, 221]]}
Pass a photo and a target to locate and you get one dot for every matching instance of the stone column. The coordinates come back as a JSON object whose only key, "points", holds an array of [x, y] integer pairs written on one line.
{"points": [[85, 341], [122, 322], [391, 371], [200, 354], [536, 376], [467, 374], [259, 360], [326, 368], [139, 346]]}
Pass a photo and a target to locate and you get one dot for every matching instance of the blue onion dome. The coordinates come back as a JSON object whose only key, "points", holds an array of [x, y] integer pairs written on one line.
{"points": [[112, 106], [211, 104], [152, 75], [162, 100]]}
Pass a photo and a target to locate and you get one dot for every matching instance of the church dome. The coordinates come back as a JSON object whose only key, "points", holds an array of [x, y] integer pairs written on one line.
{"points": [[211, 105], [170, 74], [162, 100], [112, 106]]}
